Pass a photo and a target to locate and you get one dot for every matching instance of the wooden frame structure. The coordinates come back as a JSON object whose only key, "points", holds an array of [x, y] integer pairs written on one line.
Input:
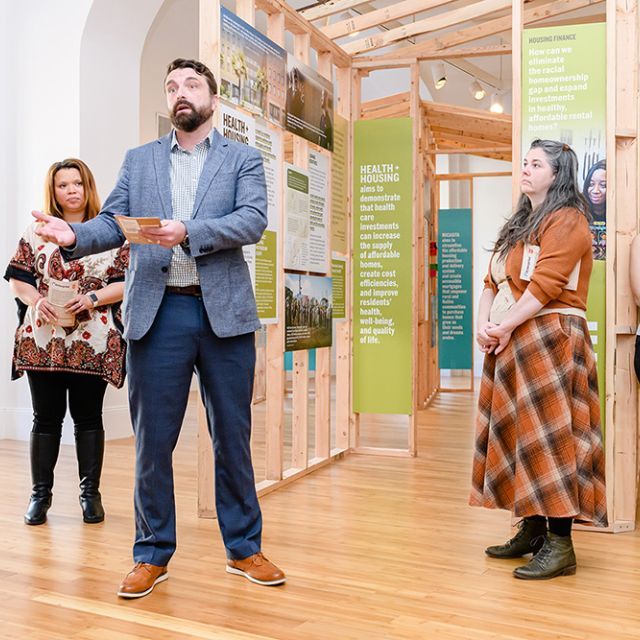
{"points": [[331, 60], [455, 31]]}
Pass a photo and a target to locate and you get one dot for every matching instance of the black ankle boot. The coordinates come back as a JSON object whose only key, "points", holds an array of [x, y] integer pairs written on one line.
{"points": [[556, 558], [529, 539], [90, 452], [43, 449]]}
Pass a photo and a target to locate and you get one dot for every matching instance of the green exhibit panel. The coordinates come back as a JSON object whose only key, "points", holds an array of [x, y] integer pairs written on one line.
{"points": [[564, 98], [382, 267]]}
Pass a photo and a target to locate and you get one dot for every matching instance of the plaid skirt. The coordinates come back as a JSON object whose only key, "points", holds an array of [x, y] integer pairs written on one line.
{"points": [[538, 447]]}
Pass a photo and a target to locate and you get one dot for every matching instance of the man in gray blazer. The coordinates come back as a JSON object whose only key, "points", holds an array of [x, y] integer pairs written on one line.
{"points": [[188, 306]]}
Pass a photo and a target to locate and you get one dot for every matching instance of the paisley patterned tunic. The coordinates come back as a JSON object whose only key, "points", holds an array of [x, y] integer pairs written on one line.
{"points": [[94, 345]]}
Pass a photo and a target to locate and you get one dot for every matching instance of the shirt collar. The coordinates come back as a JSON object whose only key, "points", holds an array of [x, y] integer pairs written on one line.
{"points": [[208, 141]]}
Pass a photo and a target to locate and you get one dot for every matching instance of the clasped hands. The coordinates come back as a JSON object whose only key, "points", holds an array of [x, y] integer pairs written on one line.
{"points": [[47, 312], [493, 338]]}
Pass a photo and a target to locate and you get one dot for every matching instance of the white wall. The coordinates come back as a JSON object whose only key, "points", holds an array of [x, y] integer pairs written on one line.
{"points": [[8, 176], [491, 207], [173, 34], [72, 68], [42, 47], [111, 52], [388, 82]]}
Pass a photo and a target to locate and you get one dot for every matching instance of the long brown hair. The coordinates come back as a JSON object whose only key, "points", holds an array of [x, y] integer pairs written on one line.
{"points": [[563, 192], [91, 200]]}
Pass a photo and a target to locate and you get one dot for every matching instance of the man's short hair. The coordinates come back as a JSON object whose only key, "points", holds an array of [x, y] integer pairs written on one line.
{"points": [[198, 67]]}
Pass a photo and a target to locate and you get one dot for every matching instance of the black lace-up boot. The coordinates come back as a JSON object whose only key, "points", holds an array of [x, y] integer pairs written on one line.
{"points": [[528, 539], [556, 558]]}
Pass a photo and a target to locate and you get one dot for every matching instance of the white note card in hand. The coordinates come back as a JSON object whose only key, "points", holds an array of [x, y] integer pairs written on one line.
{"points": [[132, 227]]}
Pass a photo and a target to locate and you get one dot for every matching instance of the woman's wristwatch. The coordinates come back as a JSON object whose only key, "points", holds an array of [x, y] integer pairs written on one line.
{"points": [[94, 298]]}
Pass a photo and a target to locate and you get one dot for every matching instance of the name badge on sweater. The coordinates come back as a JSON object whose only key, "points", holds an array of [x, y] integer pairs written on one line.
{"points": [[529, 260]]}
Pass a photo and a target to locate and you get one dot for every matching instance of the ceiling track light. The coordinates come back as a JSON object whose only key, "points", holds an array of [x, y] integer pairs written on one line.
{"points": [[497, 105], [439, 75], [477, 90], [497, 100]]}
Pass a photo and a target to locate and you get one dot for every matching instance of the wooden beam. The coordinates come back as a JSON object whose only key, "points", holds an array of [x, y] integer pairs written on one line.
{"points": [[458, 111], [452, 137], [368, 8], [434, 23], [600, 17], [379, 17], [472, 150], [392, 111], [246, 10], [371, 63], [466, 176], [295, 23], [487, 28], [379, 103], [330, 8]]}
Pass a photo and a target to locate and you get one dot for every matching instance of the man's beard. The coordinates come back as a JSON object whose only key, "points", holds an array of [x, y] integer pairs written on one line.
{"points": [[189, 120]]}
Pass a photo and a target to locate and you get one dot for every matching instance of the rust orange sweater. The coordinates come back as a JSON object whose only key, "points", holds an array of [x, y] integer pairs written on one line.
{"points": [[564, 239]]}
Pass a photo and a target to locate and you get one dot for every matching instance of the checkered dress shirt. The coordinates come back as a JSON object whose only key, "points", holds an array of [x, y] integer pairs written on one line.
{"points": [[186, 168]]}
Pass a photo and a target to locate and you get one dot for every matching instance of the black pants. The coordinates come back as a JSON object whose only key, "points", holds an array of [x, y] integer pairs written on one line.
{"points": [[49, 398], [636, 358]]}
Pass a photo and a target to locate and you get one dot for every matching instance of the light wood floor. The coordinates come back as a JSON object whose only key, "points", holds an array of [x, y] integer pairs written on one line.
{"points": [[374, 548]]}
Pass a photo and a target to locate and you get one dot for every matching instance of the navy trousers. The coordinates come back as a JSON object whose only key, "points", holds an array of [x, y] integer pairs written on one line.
{"points": [[160, 368]]}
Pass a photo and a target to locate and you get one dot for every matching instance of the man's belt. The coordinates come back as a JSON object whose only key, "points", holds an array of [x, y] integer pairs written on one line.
{"points": [[189, 290]]}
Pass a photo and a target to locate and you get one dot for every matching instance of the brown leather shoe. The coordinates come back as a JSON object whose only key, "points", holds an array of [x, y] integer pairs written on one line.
{"points": [[141, 580], [257, 569]]}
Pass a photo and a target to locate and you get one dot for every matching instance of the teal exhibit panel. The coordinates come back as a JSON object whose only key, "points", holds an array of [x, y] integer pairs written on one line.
{"points": [[455, 289]]}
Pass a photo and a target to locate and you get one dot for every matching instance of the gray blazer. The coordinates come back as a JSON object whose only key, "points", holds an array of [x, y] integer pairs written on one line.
{"points": [[230, 211]]}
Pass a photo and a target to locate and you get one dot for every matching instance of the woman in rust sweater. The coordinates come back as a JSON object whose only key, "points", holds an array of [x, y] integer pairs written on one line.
{"points": [[538, 446]]}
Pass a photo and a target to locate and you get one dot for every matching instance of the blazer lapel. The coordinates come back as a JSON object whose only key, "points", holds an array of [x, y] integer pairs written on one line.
{"points": [[162, 162], [212, 165]]}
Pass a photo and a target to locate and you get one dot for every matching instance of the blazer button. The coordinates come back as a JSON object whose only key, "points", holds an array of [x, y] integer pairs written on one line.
{"points": [[165, 269]]}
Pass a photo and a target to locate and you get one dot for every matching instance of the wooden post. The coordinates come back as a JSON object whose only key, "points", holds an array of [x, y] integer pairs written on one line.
{"points": [[344, 415], [323, 356], [246, 9], [622, 223], [517, 26], [209, 53], [275, 376], [417, 251], [300, 403], [356, 105]]}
